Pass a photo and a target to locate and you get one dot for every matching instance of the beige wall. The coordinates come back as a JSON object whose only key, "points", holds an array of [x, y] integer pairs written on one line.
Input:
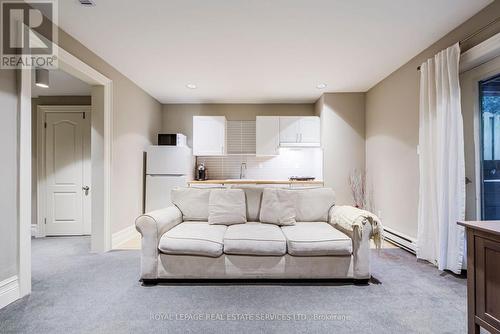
{"points": [[35, 102], [392, 129], [178, 118], [136, 121], [8, 174], [343, 140]]}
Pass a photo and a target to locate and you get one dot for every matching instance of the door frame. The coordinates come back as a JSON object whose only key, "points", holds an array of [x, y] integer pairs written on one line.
{"points": [[101, 185], [481, 55], [471, 80], [42, 110]]}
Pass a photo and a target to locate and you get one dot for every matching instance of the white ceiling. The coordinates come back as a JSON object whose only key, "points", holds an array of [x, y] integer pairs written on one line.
{"points": [[61, 84], [260, 51]]}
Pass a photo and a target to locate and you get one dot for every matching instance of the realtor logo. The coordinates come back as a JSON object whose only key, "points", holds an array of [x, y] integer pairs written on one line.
{"points": [[28, 34]]}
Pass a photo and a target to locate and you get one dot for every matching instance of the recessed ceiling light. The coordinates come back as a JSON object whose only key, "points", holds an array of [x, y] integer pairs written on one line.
{"points": [[191, 86], [321, 86]]}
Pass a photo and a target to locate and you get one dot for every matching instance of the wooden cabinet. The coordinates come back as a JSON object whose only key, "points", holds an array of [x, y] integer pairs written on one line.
{"points": [[267, 135], [300, 131], [209, 135], [483, 275]]}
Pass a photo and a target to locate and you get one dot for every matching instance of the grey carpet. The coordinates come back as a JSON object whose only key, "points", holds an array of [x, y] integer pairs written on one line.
{"points": [[78, 292]]}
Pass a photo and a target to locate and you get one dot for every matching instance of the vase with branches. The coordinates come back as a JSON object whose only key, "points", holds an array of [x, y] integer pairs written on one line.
{"points": [[357, 182]]}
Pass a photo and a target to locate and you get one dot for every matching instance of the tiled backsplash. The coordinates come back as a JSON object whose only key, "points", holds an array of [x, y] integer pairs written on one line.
{"points": [[290, 162]]}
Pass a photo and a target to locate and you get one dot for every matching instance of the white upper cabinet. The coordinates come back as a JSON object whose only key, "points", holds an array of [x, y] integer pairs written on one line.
{"points": [[289, 130], [209, 135], [310, 130], [300, 131], [267, 135]]}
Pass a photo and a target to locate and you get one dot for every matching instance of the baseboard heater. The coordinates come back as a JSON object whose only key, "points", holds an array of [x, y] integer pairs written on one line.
{"points": [[400, 240]]}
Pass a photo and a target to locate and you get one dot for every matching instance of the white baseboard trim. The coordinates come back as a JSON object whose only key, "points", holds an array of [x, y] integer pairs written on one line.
{"points": [[34, 230], [122, 236], [400, 239], [9, 291]]}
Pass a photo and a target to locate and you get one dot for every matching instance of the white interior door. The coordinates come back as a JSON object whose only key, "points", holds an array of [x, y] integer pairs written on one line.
{"points": [[67, 164]]}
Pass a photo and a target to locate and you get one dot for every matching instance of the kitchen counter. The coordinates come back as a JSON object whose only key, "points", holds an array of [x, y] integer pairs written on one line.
{"points": [[247, 181]]}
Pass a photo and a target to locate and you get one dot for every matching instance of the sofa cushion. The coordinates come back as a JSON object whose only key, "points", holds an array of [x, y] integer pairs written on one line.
{"points": [[254, 239], [313, 205], [316, 239], [193, 238], [227, 207], [253, 197], [192, 202], [278, 206]]}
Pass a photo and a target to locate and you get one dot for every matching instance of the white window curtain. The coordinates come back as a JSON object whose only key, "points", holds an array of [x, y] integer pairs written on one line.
{"points": [[442, 167]]}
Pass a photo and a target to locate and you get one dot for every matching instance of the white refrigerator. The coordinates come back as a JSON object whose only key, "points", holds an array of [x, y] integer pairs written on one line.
{"points": [[167, 167]]}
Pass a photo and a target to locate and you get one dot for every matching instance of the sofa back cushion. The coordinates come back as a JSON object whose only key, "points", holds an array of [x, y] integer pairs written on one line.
{"points": [[278, 206], [253, 197], [192, 202], [227, 207], [310, 204], [313, 205]]}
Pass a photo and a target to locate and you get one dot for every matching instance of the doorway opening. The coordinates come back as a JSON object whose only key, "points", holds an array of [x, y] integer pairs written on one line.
{"points": [[61, 141], [101, 146]]}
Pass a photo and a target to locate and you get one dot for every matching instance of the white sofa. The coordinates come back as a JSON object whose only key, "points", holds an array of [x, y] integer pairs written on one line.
{"points": [[179, 243]]}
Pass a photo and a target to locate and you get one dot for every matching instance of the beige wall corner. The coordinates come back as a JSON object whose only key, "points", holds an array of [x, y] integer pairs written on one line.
{"points": [[343, 140], [392, 129]]}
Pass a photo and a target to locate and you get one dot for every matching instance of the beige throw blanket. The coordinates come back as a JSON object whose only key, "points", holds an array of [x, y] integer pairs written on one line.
{"points": [[348, 217]]}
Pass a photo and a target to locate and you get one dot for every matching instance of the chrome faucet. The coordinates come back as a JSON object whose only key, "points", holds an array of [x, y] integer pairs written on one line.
{"points": [[243, 170]]}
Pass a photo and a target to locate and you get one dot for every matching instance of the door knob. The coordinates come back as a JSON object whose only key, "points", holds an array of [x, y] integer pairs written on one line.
{"points": [[86, 189]]}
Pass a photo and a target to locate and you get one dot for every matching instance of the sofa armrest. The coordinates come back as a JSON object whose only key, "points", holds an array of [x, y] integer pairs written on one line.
{"points": [[152, 226], [360, 247], [361, 252]]}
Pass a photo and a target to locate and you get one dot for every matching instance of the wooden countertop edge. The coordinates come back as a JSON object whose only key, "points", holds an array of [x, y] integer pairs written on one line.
{"points": [[253, 182], [491, 226]]}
